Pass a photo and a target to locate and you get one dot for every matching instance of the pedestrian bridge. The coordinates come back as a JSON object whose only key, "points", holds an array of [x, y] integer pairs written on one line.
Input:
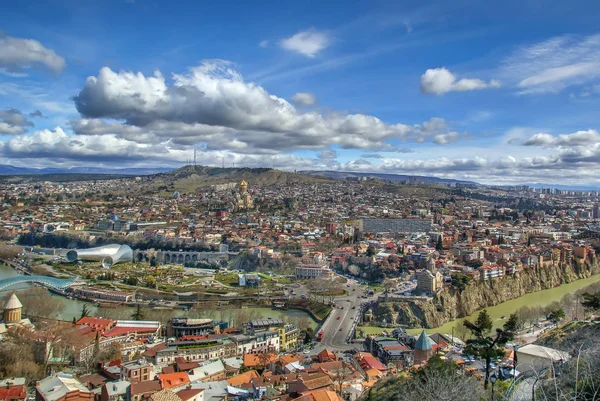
{"points": [[56, 284]]}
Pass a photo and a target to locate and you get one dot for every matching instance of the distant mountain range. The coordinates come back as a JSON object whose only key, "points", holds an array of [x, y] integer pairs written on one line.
{"points": [[6, 169], [389, 177], [261, 176]]}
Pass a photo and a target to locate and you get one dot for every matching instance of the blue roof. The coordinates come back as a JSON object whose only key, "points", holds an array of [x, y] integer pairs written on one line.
{"points": [[424, 343]]}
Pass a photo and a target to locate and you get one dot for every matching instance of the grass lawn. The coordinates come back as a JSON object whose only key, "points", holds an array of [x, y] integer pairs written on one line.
{"points": [[230, 279], [370, 330]]}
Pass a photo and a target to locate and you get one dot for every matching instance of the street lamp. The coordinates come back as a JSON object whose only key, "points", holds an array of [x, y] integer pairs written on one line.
{"points": [[493, 379]]}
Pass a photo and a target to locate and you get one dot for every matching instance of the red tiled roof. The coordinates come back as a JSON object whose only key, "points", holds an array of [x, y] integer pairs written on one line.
{"points": [[148, 386], [95, 322], [372, 363], [170, 380], [243, 378], [12, 393], [119, 331], [187, 394]]}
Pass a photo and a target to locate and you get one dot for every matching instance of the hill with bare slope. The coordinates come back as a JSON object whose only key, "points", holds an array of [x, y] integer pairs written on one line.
{"points": [[191, 178]]}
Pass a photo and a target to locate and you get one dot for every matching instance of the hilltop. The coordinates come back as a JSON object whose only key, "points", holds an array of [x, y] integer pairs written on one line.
{"points": [[191, 178], [385, 177]]}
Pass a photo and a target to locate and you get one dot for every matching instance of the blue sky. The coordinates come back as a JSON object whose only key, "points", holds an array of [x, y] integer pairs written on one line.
{"points": [[494, 93]]}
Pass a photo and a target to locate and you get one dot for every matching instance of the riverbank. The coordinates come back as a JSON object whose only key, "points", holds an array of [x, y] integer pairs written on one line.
{"points": [[452, 304], [72, 307], [535, 299]]}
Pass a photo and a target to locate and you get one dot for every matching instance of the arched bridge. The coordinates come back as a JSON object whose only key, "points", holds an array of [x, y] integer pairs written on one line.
{"points": [[57, 284]]}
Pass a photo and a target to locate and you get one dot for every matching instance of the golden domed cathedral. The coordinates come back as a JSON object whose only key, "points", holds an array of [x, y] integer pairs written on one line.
{"points": [[243, 200]]}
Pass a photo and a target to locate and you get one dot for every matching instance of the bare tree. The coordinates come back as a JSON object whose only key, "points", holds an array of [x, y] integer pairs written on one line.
{"points": [[118, 313], [227, 316], [437, 381], [37, 302], [341, 376], [16, 355]]}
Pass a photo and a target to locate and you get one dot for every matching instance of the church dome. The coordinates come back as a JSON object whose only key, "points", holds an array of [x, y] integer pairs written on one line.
{"points": [[13, 303]]}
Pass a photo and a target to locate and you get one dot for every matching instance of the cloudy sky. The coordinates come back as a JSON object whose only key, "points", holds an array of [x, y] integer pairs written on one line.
{"points": [[461, 89]]}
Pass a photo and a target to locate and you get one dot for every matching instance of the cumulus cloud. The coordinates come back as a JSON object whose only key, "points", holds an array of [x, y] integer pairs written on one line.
{"points": [[439, 81], [308, 43], [212, 104], [103, 149], [17, 54], [575, 163], [304, 99], [554, 64], [580, 138], [13, 122]]}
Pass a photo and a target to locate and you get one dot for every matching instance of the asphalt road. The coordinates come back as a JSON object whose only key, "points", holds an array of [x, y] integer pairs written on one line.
{"points": [[340, 322]]}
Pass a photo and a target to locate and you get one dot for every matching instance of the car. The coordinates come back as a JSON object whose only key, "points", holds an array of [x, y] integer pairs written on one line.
{"points": [[341, 307], [340, 329], [307, 351], [338, 318], [354, 289], [354, 307]]}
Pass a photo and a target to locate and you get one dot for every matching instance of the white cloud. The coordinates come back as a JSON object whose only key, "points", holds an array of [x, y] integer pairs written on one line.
{"points": [[308, 43], [212, 104], [107, 149], [439, 81], [264, 43], [304, 99], [577, 139], [554, 64], [17, 54], [7, 129], [444, 139]]}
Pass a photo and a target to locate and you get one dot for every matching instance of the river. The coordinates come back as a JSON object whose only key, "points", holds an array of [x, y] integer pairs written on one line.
{"points": [[534, 299], [73, 307]]}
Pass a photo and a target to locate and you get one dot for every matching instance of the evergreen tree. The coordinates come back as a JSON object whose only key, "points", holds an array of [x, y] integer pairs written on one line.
{"points": [[85, 312], [483, 344], [591, 301], [556, 315]]}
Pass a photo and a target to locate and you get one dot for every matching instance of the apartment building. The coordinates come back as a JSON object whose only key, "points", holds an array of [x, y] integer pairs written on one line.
{"points": [[137, 371], [312, 271], [491, 271]]}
